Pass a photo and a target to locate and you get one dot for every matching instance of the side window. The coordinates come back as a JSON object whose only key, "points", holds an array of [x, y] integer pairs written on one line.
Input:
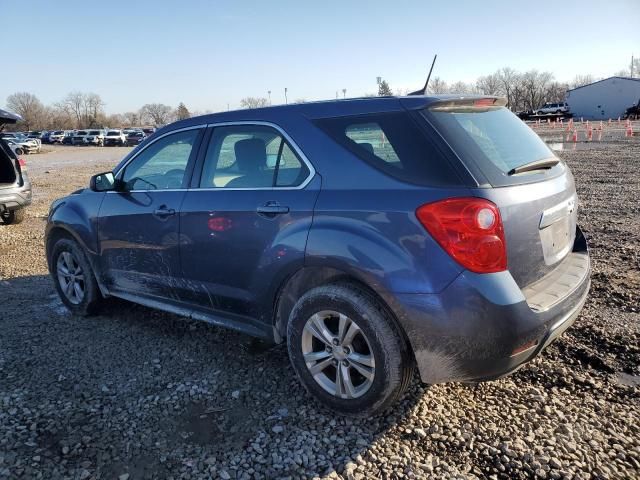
{"points": [[250, 156], [394, 144], [371, 137], [162, 164]]}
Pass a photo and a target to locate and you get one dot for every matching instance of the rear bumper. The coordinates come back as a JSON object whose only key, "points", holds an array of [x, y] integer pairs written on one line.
{"points": [[15, 198], [482, 327]]}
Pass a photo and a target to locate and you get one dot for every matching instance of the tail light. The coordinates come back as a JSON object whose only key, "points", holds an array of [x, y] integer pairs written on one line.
{"points": [[22, 162], [468, 229]]}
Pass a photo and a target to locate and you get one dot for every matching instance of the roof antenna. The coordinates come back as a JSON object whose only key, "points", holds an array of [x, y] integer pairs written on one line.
{"points": [[426, 84]]}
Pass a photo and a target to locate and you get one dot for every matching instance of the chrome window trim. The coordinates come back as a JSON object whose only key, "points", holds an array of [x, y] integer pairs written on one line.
{"points": [[280, 130]]}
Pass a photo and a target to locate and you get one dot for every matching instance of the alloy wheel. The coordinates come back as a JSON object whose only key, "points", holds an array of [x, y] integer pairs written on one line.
{"points": [[338, 354], [70, 277]]}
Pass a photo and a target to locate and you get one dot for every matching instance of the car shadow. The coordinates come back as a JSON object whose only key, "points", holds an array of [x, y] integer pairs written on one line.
{"points": [[198, 395]]}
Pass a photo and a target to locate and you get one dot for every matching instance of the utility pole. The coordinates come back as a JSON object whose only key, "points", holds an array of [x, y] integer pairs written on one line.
{"points": [[631, 69], [285, 96], [269, 92]]}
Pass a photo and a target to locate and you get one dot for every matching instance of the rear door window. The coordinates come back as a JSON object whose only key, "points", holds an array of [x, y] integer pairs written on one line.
{"points": [[494, 139], [394, 144], [251, 157]]}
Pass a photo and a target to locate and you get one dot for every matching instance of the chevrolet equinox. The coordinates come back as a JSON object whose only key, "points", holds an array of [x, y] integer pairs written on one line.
{"points": [[373, 236]]}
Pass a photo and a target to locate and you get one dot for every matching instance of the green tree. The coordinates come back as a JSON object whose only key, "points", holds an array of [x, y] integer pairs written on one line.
{"points": [[182, 112], [384, 90]]}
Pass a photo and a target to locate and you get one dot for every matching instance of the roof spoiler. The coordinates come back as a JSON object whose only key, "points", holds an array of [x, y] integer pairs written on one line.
{"points": [[449, 104]]}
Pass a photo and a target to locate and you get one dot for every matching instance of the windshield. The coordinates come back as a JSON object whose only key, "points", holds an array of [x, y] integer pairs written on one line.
{"points": [[494, 138], [113, 133], [59, 132], [81, 132], [94, 132]]}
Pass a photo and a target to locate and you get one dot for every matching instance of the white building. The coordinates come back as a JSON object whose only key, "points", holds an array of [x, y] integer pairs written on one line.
{"points": [[608, 98]]}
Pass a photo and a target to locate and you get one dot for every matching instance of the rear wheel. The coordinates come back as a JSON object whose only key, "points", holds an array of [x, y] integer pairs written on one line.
{"points": [[347, 351], [19, 151], [73, 278], [12, 216]]}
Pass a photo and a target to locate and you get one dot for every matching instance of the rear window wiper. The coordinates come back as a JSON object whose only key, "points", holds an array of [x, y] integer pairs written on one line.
{"points": [[543, 164]]}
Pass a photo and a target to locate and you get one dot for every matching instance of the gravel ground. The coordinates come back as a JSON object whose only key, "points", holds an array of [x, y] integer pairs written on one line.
{"points": [[135, 393]]}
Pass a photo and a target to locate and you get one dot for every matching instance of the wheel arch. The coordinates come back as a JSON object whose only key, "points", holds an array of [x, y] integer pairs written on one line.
{"points": [[308, 278], [60, 231]]}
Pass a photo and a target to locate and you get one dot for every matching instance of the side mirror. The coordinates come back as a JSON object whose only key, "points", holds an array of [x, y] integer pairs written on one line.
{"points": [[103, 182]]}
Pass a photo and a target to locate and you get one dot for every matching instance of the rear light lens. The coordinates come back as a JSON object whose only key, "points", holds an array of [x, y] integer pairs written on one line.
{"points": [[484, 102], [470, 230], [22, 162]]}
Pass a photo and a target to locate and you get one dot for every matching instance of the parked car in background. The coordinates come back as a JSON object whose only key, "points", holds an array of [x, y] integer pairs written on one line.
{"points": [[149, 131], [15, 187], [548, 108], [135, 137], [370, 235], [56, 136], [95, 138], [79, 136], [68, 137], [45, 137], [23, 145], [115, 137]]}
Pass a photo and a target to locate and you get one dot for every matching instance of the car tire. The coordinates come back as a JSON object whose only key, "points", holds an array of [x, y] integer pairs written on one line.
{"points": [[69, 265], [356, 373], [10, 217], [19, 151]]}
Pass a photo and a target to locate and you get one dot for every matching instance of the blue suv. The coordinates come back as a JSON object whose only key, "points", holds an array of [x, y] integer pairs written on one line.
{"points": [[373, 236]]}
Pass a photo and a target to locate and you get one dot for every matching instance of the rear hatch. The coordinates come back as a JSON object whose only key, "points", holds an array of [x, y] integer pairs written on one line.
{"points": [[515, 169], [9, 166]]}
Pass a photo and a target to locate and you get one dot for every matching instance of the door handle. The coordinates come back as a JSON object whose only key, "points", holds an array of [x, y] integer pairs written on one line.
{"points": [[164, 212], [271, 209]]}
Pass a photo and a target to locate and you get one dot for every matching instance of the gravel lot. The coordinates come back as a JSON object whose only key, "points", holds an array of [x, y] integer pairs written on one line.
{"points": [[135, 393]]}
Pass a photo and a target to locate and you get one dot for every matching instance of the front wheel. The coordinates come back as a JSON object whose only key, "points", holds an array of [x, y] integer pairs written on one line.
{"points": [[12, 216], [347, 350], [73, 278], [19, 151]]}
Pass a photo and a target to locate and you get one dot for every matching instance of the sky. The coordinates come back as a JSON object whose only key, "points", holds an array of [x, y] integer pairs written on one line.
{"points": [[211, 54]]}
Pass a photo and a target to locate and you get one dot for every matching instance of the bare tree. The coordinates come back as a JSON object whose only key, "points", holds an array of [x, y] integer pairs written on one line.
{"points": [[437, 86], [633, 70], [157, 113], [74, 103], [535, 86], [462, 87], [131, 119], [29, 108], [87, 108], [254, 102], [509, 79], [490, 84], [556, 92], [581, 80]]}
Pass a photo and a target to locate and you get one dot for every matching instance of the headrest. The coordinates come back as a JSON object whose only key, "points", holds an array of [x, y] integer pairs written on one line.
{"points": [[251, 154]]}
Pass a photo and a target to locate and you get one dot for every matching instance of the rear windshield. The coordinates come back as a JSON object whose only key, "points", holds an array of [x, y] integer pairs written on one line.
{"points": [[392, 143], [94, 132], [494, 138], [111, 133], [81, 132]]}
